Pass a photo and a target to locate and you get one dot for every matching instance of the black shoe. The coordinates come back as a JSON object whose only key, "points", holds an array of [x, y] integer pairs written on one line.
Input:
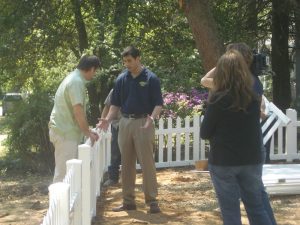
{"points": [[154, 208], [124, 207]]}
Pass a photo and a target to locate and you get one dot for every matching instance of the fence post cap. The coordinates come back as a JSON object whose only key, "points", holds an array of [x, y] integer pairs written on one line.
{"points": [[84, 146], [75, 161]]}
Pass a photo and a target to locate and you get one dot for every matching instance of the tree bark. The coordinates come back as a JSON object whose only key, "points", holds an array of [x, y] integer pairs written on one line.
{"points": [[80, 26], [252, 13], [204, 30], [100, 13], [100, 17], [120, 22], [280, 54], [296, 7], [83, 44], [94, 99]]}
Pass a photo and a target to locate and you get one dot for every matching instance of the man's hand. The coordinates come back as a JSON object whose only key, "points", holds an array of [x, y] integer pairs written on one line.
{"points": [[103, 124], [93, 137], [149, 122]]}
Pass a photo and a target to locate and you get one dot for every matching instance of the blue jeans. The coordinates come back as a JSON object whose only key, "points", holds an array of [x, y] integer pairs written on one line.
{"points": [[265, 197], [115, 157], [234, 182]]}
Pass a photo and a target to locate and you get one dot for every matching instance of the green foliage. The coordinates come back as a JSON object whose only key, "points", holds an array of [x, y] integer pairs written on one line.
{"points": [[39, 46], [1, 93], [28, 143], [243, 21], [266, 80], [167, 44]]}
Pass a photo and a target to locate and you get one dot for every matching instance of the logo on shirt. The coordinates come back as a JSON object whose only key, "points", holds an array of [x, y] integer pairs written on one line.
{"points": [[143, 83]]}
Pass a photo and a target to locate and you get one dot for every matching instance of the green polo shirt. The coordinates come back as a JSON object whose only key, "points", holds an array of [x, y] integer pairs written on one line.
{"points": [[69, 93]]}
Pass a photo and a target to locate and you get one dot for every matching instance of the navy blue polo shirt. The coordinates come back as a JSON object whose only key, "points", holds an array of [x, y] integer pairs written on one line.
{"points": [[137, 95]]}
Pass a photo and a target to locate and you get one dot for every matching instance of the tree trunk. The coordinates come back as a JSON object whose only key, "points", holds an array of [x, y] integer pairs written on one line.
{"points": [[83, 44], [204, 30], [252, 13], [297, 46], [120, 22], [94, 99], [100, 17], [80, 26], [280, 54], [100, 13]]}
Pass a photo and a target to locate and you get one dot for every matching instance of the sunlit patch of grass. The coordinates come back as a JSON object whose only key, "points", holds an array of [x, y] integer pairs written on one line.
{"points": [[2, 151], [2, 137]]}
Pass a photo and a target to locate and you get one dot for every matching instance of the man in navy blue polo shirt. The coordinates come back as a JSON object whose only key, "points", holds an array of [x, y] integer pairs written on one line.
{"points": [[137, 94]]}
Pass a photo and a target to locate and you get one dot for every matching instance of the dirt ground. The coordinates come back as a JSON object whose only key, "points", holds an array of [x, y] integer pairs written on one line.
{"points": [[185, 197], [23, 200]]}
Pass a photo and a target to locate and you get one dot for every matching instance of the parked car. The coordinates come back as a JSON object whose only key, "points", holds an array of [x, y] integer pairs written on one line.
{"points": [[10, 101]]}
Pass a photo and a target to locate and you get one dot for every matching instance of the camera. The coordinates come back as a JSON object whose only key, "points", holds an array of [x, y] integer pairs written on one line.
{"points": [[259, 63]]}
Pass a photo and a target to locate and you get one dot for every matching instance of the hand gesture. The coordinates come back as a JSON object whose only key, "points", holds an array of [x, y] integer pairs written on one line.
{"points": [[93, 137], [149, 122]]}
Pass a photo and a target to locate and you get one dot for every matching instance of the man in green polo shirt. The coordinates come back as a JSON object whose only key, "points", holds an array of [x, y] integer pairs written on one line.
{"points": [[68, 121]]}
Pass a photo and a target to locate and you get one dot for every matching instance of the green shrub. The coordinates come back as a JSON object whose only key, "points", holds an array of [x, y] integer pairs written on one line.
{"points": [[28, 143]]}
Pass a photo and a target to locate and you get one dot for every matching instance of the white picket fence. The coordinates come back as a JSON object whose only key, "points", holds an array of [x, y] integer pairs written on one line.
{"points": [[284, 145], [178, 143], [73, 201]]}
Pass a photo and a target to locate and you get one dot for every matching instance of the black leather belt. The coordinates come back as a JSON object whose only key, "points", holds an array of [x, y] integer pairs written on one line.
{"points": [[134, 116]]}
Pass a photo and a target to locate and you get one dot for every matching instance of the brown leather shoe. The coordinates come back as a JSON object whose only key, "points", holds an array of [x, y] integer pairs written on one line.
{"points": [[154, 208], [124, 207]]}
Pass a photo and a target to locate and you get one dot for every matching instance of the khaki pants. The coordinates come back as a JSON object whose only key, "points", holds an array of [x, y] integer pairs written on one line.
{"points": [[135, 142], [64, 151]]}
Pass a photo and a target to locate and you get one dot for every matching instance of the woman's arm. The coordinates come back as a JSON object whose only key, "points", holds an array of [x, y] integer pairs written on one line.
{"points": [[208, 125], [208, 80]]}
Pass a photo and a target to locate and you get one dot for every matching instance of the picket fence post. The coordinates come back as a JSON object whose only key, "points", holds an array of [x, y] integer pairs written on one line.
{"points": [[75, 189], [61, 193], [84, 154], [196, 142], [160, 141], [291, 135], [178, 136]]}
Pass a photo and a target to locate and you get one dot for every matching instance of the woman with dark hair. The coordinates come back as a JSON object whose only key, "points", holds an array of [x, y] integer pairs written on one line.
{"points": [[232, 125]]}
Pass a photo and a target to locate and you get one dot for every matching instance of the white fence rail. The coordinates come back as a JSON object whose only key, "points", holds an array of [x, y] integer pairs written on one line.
{"points": [[178, 143]]}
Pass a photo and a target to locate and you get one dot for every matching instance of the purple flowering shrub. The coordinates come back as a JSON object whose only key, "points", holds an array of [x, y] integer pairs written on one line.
{"points": [[180, 104]]}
